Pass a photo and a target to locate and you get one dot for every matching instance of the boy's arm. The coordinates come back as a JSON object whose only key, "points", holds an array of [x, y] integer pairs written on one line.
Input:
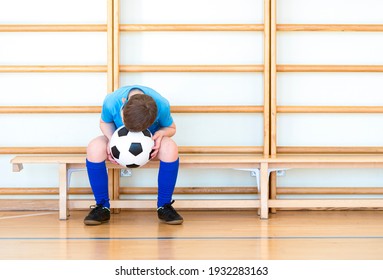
{"points": [[168, 131], [107, 128]]}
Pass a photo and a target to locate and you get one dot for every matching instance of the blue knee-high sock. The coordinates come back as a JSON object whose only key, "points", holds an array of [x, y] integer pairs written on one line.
{"points": [[98, 179], [167, 177]]}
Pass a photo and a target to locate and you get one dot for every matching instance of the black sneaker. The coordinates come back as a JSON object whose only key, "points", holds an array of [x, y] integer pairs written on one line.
{"points": [[169, 215], [97, 215]]}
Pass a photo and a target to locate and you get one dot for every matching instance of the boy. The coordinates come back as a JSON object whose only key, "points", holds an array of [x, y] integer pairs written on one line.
{"points": [[137, 108]]}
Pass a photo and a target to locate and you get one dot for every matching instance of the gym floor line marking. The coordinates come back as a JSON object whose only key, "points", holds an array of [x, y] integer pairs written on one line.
{"points": [[26, 215], [192, 238]]}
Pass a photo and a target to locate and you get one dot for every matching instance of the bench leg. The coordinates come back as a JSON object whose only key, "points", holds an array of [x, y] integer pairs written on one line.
{"points": [[63, 192], [255, 172], [273, 189], [114, 189], [273, 184], [264, 191]]}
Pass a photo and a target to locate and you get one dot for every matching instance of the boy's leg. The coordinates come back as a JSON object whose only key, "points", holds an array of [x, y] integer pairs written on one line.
{"points": [[98, 178], [167, 178]]}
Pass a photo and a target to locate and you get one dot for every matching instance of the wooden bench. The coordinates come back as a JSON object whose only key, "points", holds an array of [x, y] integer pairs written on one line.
{"points": [[280, 162], [260, 165], [67, 163]]}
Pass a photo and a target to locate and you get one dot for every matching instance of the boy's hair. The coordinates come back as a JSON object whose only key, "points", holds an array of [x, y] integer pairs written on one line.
{"points": [[139, 112]]}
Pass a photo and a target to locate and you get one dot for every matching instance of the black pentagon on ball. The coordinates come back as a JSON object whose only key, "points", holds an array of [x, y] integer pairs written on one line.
{"points": [[123, 132], [135, 149], [147, 133], [132, 166], [151, 152], [115, 152]]}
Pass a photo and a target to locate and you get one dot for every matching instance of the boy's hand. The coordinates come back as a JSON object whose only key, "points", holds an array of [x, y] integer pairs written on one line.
{"points": [[110, 157], [157, 137]]}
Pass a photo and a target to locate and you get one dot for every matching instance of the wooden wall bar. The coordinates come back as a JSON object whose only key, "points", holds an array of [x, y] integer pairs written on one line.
{"points": [[52, 68], [182, 149], [191, 68], [53, 27], [237, 190], [279, 68], [329, 68], [97, 109], [330, 109], [190, 27], [270, 110], [275, 110], [331, 27]]}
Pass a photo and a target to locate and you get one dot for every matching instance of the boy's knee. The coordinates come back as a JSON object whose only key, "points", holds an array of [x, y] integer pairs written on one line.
{"points": [[96, 150], [168, 150]]}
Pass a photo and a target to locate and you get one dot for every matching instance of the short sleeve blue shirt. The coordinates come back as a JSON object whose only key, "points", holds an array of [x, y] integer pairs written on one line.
{"points": [[111, 108]]}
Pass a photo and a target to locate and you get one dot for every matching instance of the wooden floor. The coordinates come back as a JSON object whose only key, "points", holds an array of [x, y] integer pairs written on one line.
{"points": [[205, 235]]}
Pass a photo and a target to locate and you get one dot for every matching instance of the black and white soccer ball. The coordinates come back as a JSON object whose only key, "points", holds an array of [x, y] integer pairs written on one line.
{"points": [[131, 149]]}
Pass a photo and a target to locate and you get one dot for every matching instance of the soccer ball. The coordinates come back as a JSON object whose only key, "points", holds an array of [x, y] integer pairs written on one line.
{"points": [[131, 149]]}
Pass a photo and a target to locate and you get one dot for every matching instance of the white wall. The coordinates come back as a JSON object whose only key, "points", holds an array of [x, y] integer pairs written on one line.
{"points": [[49, 89], [199, 88], [53, 12], [67, 89], [330, 89], [329, 11], [197, 11], [194, 88]]}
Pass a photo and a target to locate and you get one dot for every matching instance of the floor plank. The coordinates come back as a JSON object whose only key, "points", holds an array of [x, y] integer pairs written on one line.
{"points": [[205, 235]]}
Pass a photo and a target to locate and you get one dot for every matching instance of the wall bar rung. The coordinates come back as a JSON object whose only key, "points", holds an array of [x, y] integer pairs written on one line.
{"points": [[331, 27], [49, 109], [206, 190], [97, 109], [42, 150], [182, 150], [329, 68], [330, 109], [53, 28], [191, 68], [220, 149], [217, 109], [190, 27], [329, 150], [53, 68]]}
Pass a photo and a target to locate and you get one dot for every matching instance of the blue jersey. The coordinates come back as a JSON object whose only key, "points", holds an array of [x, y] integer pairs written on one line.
{"points": [[111, 108]]}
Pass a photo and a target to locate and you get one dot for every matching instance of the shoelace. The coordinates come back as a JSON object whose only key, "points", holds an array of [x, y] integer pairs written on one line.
{"points": [[167, 206], [94, 207], [169, 211]]}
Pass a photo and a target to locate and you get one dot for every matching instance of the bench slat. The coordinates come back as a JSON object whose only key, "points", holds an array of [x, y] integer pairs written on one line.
{"points": [[195, 160], [222, 158], [264, 165], [334, 158]]}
